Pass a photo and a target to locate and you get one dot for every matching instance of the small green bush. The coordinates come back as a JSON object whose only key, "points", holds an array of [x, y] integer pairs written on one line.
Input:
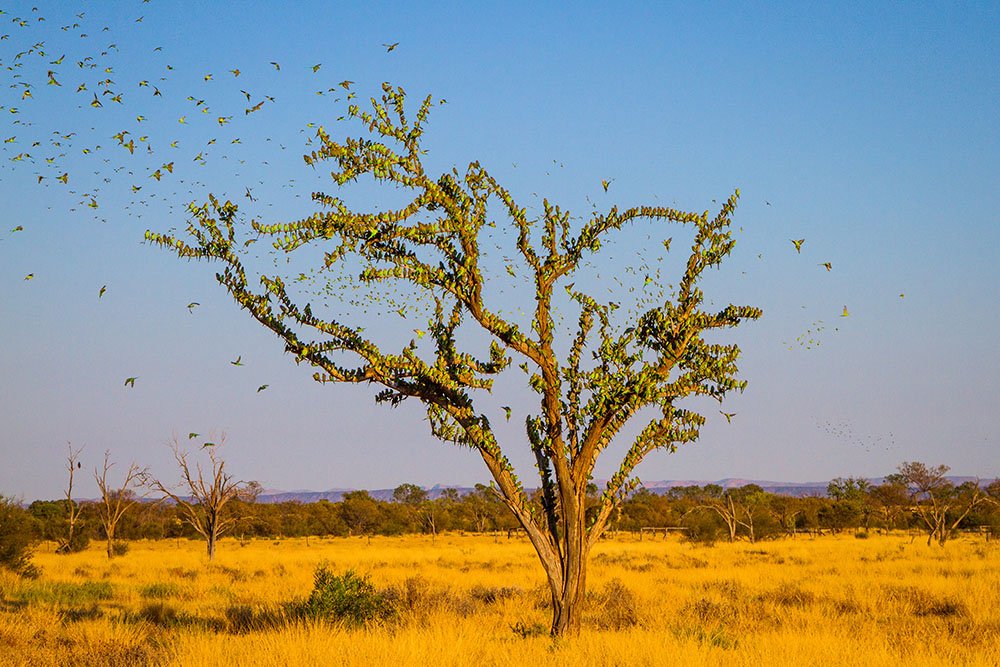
{"points": [[79, 543], [16, 539], [348, 598], [119, 548], [159, 591]]}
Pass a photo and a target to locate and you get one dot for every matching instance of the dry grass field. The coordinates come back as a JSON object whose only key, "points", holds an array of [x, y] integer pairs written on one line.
{"points": [[463, 599]]}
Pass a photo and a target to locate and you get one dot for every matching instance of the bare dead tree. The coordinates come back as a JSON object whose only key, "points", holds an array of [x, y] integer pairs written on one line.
{"points": [[72, 509], [116, 500], [209, 492]]}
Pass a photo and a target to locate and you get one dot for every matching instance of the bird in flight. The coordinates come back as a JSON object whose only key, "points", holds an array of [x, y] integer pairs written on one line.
{"points": [[191, 306], [193, 435], [130, 382], [728, 415], [826, 265], [101, 292], [506, 409], [390, 47], [238, 361], [262, 388], [605, 184], [798, 244], [208, 444], [844, 313]]}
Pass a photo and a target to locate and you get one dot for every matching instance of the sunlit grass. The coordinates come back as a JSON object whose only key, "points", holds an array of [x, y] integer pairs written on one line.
{"points": [[481, 600]]}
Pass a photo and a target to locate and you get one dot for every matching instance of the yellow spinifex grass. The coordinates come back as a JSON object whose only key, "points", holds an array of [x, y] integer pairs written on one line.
{"points": [[464, 599]]}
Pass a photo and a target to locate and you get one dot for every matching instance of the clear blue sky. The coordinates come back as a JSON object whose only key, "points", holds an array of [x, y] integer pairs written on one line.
{"points": [[870, 131]]}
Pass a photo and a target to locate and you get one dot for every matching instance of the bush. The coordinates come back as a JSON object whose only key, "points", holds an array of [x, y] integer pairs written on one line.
{"points": [[348, 598], [80, 542], [16, 539], [119, 548]]}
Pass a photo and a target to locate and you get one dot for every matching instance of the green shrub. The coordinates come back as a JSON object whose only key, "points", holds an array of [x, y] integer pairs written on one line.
{"points": [[119, 548], [79, 543], [16, 539], [348, 598], [158, 591]]}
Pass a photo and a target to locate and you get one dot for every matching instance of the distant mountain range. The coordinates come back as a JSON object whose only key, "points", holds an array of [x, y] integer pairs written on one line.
{"points": [[786, 488]]}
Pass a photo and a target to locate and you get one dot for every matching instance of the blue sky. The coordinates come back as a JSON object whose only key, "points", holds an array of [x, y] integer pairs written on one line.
{"points": [[870, 131]]}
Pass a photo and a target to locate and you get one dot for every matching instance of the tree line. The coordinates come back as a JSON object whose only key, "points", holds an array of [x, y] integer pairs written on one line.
{"points": [[917, 498]]}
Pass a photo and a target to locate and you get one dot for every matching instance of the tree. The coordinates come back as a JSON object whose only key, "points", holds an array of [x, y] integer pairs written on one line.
{"points": [[16, 538], [74, 541], [713, 497], [209, 492], [116, 501], [359, 511], [433, 246], [936, 500], [891, 499], [852, 501]]}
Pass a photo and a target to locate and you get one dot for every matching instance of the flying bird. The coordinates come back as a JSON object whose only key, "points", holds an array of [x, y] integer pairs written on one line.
{"points": [[191, 306], [507, 410], [826, 265], [262, 388], [798, 244], [605, 184], [390, 47], [728, 415], [103, 289], [238, 361], [192, 435], [844, 313], [130, 382]]}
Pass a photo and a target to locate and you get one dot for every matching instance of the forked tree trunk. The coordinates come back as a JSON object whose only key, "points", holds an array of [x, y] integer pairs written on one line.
{"points": [[568, 598], [567, 577]]}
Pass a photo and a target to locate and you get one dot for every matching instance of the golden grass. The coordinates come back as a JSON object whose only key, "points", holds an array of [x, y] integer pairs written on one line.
{"points": [[478, 600]]}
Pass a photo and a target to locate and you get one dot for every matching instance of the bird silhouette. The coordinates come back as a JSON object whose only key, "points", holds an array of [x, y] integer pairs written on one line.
{"points": [[101, 292], [728, 415], [130, 382], [237, 362], [798, 244], [262, 388], [389, 47], [826, 265]]}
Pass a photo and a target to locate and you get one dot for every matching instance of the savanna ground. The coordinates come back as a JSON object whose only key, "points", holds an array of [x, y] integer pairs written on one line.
{"points": [[463, 599]]}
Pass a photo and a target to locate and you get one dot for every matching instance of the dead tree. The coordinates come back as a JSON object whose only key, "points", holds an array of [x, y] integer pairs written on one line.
{"points": [[115, 501], [208, 493], [72, 509]]}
